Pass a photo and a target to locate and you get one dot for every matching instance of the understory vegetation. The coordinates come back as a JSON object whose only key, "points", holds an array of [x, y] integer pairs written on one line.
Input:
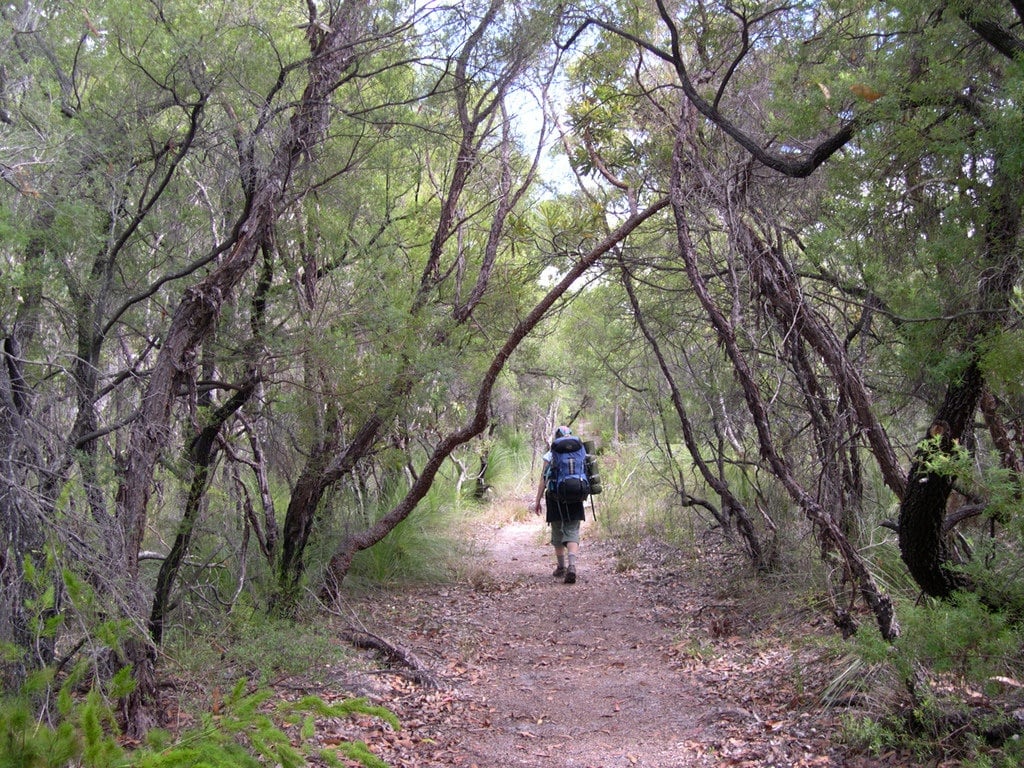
{"points": [[947, 689]]}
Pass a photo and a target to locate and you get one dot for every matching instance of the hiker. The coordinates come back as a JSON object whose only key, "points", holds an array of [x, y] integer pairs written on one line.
{"points": [[564, 516]]}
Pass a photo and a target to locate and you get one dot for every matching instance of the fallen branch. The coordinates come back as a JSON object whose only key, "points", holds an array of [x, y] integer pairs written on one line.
{"points": [[394, 654]]}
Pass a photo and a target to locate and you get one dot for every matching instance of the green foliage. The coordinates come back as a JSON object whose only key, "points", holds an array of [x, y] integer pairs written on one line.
{"points": [[889, 569], [1003, 362], [622, 506], [508, 457], [887, 256], [317, 706], [423, 547], [246, 730], [961, 637], [995, 571], [872, 735], [249, 643], [357, 750], [23, 744], [887, 736], [955, 462], [947, 651]]}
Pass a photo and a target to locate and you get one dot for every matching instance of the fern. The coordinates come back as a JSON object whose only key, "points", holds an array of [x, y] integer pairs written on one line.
{"points": [[347, 707], [241, 735], [357, 750], [96, 723]]}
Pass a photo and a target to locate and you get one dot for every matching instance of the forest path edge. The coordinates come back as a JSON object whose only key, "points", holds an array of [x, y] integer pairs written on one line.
{"points": [[645, 661]]}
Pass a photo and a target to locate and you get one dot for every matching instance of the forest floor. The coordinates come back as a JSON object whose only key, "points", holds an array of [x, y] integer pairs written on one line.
{"points": [[645, 661]]}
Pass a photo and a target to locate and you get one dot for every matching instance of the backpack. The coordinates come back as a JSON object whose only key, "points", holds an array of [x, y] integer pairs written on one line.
{"points": [[567, 472], [593, 473]]}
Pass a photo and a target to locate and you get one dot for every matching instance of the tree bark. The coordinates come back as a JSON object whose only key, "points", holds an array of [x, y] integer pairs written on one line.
{"points": [[201, 454], [25, 500], [921, 531], [21, 525], [333, 52], [776, 281]]}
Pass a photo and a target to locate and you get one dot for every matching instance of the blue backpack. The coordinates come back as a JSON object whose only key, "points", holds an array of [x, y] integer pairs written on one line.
{"points": [[567, 472]]}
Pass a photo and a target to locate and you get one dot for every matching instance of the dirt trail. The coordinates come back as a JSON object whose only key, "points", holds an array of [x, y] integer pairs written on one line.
{"points": [[619, 669], [576, 674]]}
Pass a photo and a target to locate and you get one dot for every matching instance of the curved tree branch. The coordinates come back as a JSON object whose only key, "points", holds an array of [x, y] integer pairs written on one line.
{"points": [[342, 559], [794, 166]]}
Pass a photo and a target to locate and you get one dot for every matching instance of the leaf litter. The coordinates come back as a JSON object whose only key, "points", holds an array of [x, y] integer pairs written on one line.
{"points": [[647, 666]]}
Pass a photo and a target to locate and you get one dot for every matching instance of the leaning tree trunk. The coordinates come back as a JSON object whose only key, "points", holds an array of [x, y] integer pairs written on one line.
{"points": [[332, 54], [475, 126], [341, 561], [201, 454], [731, 503], [314, 481], [924, 506], [922, 539], [770, 275]]}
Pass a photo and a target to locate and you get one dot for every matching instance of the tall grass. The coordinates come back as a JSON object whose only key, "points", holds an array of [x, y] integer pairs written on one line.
{"points": [[429, 545]]}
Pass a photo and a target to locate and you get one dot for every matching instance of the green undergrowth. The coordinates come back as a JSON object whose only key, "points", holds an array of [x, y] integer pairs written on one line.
{"points": [[224, 678], [251, 644], [946, 690], [246, 729]]}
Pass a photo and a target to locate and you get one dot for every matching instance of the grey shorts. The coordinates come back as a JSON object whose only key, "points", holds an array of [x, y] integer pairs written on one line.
{"points": [[564, 531]]}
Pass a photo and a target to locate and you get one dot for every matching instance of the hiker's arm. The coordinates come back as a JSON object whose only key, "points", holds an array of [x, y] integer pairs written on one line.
{"points": [[540, 489]]}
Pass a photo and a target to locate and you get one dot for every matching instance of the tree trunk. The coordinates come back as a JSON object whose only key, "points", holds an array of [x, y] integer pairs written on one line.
{"points": [[775, 281], [201, 453], [22, 528], [27, 486], [880, 604], [924, 507], [332, 53], [922, 534], [315, 479], [475, 114], [731, 504]]}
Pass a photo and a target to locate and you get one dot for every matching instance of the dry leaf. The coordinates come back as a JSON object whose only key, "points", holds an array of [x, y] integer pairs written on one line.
{"points": [[865, 92]]}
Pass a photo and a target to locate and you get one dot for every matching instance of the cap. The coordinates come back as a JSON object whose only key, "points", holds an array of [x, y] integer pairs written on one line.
{"points": [[562, 432]]}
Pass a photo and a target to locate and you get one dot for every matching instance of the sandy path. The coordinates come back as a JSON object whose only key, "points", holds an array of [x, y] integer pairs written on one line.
{"points": [[577, 675], [599, 674]]}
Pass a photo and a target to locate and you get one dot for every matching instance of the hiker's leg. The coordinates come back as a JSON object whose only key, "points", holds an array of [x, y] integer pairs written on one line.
{"points": [[556, 542], [556, 537], [570, 536], [571, 540]]}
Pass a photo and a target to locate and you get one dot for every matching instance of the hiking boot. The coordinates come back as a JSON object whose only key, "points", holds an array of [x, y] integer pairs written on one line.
{"points": [[559, 571], [570, 576]]}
